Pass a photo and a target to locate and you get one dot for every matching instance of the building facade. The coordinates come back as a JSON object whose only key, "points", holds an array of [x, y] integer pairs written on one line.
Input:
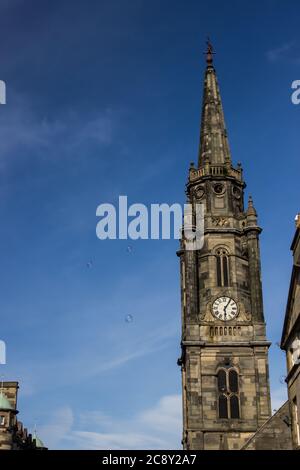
{"points": [[224, 361], [13, 436], [274, 434], [290, 341]]}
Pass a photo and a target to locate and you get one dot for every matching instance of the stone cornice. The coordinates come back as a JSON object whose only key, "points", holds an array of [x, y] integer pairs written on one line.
{"points": [[254, 228], [228, 344]]}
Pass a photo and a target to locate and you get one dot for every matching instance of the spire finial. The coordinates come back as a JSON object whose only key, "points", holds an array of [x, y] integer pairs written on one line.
{"points": [[251, 209], [209, 52]]}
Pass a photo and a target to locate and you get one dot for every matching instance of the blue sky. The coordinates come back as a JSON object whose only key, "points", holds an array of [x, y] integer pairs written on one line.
{"points": [[103, 99]]}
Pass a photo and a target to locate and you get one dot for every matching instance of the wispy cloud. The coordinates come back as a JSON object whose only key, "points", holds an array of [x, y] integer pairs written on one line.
{"points": [[23, 131], [91, 361], [8, 4], [57, 428], [168, 409], [158, 427], [287, 52]]}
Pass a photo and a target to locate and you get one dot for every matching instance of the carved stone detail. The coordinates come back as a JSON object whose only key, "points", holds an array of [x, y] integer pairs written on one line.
{"points": [[220, 221]]}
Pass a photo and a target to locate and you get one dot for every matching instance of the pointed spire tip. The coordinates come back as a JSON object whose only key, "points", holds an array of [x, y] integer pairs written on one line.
{"points": [[251, 209]]}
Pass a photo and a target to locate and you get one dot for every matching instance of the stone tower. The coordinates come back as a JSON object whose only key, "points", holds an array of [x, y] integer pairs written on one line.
{"points": [[224, 362]]}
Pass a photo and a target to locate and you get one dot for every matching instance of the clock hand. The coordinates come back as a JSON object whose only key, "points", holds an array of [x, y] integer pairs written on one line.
{"points": [[225, 314]]}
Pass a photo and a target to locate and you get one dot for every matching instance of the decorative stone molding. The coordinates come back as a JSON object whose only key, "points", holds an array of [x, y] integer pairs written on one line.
{"points": [[220, 221]]}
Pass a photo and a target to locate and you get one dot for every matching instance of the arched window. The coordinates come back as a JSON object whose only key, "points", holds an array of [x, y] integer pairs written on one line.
{"points": [[228, 393], [234, 407], [222, 267], [223, 407], [222, 385], [233, 380]]}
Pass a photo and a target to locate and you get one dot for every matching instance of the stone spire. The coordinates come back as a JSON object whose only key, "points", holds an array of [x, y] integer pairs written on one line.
{"points": [[214, 146], [251, 212]]}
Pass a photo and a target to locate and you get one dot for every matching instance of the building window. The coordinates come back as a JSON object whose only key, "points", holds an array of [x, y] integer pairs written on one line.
{"points": [[222, 268], [228, 394], [234, 407], [295, 350], [233, 381], [296, 421], [2, 420], [223, 408]]}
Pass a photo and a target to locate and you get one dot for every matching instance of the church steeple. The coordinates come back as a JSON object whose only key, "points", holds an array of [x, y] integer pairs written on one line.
{"points": [[214, 146], [224, 361]]}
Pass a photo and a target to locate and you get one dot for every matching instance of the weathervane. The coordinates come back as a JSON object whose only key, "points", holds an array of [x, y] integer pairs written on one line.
{"points": [[209, 52]]}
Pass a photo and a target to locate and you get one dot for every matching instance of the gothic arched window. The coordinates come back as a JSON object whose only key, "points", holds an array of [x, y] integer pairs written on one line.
{"points": [[233, 381], [223, 407], [234, 407], [222, 268], [228, 393], [222, 381]]}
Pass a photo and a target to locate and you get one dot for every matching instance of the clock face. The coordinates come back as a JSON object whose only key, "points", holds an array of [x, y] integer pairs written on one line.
{"points": [[225, 308]]}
